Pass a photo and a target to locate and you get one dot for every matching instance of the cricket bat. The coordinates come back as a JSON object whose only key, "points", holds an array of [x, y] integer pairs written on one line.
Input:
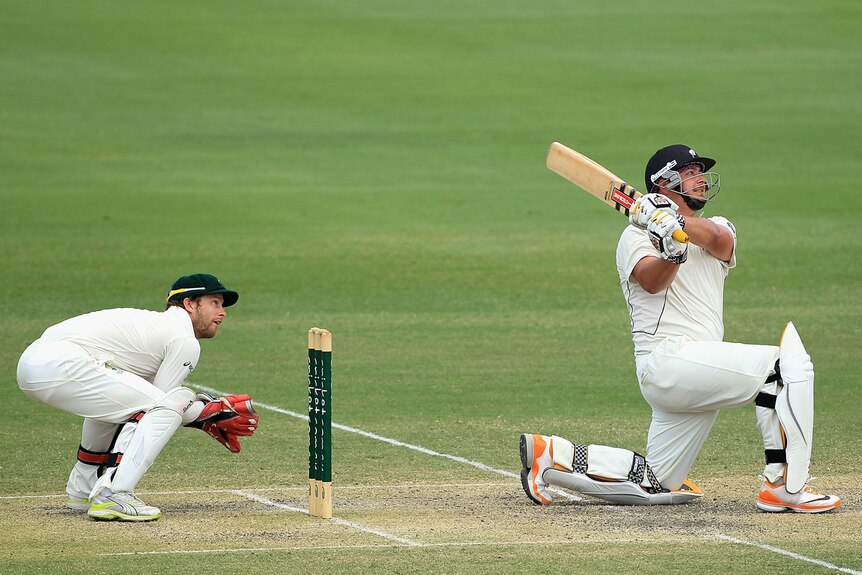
{"points": [[597, 180]]}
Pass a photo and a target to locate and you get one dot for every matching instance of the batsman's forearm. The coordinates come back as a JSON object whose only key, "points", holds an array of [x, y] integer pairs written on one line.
{"points": [[654, 274], [710, 236]]}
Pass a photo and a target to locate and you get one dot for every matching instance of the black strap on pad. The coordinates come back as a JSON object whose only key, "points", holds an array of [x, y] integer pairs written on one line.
{"points": [[764, 399], [775, 456], [580, 463]]}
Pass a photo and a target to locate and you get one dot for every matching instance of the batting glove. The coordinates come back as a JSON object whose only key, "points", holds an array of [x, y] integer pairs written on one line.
{"points": [[646, 206], [227, 418], [660, 228]]}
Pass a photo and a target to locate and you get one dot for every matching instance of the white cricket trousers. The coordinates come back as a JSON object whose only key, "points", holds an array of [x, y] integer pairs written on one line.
{"points": [[63, 375], [686, 383]]}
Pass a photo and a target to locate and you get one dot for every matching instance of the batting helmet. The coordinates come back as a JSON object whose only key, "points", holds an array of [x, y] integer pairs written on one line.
{"points": [[672, 159]]}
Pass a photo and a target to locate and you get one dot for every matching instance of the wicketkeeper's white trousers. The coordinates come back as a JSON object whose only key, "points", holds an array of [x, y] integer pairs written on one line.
{"points": [[63, 375], [686, 383]]}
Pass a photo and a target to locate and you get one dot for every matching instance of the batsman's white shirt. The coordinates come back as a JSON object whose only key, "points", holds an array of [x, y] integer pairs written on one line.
{"points": [[159, 347], [692, 305], [686, 372]]}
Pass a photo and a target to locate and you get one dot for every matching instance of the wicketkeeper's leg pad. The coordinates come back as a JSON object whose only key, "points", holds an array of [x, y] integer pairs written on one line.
{"points": [[152, 433], [613, 474]]}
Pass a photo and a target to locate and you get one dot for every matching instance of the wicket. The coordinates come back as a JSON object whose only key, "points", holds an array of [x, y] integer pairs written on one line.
{"points": [[319, 423]]}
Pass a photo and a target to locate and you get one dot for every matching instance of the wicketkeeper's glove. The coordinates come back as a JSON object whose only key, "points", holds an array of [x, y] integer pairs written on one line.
{"points": [[227, 419]]}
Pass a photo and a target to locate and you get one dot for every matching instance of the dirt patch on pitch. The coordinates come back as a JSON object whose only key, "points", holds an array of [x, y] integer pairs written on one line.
{"points": [[424, 515]]}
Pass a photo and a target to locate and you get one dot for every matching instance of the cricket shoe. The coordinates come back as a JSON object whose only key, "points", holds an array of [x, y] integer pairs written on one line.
{"points": [[776, 499], [109, 506], [535, 459], [77, 503]]}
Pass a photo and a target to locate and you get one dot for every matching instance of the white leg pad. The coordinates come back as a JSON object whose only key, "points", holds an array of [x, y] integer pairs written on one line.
{"points": [[563, 452], [795, 407], [611, 463], [153, 432], [619, 492], [773, 437], [611, 474]]}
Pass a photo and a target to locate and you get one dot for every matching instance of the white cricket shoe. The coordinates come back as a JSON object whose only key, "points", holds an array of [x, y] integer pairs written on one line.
{"points": [[77, 503], [109, 506], [535, 459], [775, 498]]}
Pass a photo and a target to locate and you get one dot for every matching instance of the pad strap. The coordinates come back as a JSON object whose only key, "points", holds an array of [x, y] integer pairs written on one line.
{"points": [[639, 469], [776, 376], [766, 400], [580, 458], [775, 456], [103, 459], [96, 458], [99, 458]]}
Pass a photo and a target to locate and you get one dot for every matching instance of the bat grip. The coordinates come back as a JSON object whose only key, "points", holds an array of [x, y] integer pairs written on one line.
{"points": [[680, 236]]}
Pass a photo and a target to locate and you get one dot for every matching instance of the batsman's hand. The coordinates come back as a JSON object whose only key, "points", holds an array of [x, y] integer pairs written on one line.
{"points": [[646, 206], [227, 418], [660, 228]]}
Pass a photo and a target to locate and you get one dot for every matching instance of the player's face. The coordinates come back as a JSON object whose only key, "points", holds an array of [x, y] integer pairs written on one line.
{"points": [[694, 184], [207, 313]]}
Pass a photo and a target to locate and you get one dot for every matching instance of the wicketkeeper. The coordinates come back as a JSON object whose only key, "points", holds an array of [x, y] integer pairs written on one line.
{"points": [[674, 293], [123, 370]]}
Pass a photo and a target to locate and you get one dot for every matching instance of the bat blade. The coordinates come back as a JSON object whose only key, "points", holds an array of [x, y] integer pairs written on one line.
{"points": [[596, 180]]}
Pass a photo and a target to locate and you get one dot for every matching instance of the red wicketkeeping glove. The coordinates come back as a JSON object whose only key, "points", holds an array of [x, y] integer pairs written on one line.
{"points": [[227, 418]]}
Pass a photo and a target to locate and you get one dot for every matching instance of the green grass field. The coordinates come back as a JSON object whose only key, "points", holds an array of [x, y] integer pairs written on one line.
{"points": [[377, 168]]}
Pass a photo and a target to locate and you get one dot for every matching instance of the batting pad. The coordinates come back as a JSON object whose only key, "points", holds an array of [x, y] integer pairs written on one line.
{"points": [[621, 492], [795, 407], [563, 452], [609, 462]]}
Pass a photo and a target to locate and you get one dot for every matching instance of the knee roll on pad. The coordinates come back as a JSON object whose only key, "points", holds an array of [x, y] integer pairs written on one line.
{"points": [[178, 399]]}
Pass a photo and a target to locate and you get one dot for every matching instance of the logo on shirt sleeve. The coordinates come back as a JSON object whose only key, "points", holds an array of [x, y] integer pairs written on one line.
{"points": [[190, 366]]}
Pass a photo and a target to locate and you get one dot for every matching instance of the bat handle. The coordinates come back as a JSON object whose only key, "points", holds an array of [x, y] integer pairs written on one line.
{"points": [[680, 236]]}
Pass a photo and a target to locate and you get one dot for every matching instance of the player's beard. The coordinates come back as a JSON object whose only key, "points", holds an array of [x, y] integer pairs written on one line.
{"points": [[696, 204], [203, 326]]}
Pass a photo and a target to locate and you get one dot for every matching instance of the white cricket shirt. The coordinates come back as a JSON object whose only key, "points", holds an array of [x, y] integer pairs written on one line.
{"points": [[691, 306], [157, 346]]}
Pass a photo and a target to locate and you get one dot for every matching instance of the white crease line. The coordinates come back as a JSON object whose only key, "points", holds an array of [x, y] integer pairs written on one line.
{"points": [[395, 442], [343, 547], [351, 524], [780, 551]]}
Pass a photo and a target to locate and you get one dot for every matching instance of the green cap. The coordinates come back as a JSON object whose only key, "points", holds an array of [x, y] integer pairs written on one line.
{"points": [[197, 285]]}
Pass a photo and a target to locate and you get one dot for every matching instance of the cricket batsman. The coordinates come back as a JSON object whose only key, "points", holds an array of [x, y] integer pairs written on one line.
{"points": [[674, 293], [123, 370]]}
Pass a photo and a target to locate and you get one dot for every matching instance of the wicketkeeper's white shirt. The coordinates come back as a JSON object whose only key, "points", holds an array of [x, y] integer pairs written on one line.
{"points": [[692, 305], [160, 347]]}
